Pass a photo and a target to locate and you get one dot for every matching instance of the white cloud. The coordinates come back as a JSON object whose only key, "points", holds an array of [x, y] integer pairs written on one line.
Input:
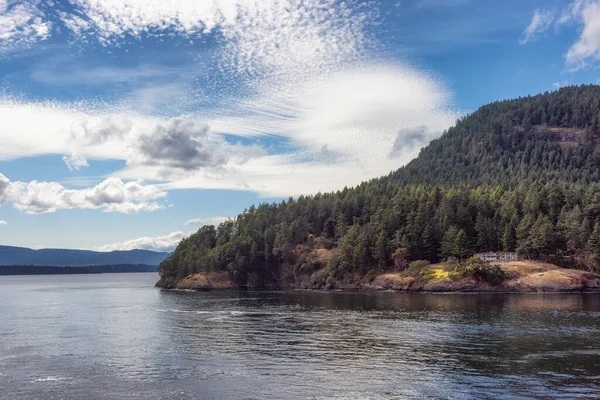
{"points": [[2, 222], [111, 195], [339, 122], [21, 23], [75, 161], [540, 22], [586, 49], [354, 114], [256, 36], [558, 85], [585, 52], [259, 35], [156, 243], [206, 221], [339, 126], [169, 146]]}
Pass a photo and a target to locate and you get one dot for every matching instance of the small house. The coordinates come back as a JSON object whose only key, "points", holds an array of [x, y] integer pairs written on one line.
{"points": [[497, 256]]}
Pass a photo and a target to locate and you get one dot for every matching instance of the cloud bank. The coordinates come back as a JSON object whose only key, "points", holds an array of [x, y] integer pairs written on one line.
{"points": [[111, 195]]}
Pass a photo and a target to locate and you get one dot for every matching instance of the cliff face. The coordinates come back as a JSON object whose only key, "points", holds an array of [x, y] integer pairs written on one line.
{"points": [[523, 277]]}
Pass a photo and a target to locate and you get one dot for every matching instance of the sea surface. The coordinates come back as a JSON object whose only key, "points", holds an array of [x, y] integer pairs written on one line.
{"points": [[115, 336]]}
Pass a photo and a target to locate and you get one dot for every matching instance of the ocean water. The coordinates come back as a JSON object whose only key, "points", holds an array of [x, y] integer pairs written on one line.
{"points": [[115, 336]]}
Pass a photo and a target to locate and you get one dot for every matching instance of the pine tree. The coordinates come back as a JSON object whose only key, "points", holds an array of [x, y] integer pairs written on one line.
{"points": [[447, 247], [381, 250], [593, 244], [462, 247]]}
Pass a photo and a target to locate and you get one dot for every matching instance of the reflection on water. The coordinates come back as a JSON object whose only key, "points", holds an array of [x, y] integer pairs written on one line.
{"points": [[114, 336]]}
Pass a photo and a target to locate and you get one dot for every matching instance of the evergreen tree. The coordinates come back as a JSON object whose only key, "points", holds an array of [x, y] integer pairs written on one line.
{"points": [[447, 247], [462, 247], [594, 244], [381, 250]]}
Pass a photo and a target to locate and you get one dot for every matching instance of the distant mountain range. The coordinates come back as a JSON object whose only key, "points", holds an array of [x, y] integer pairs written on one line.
{"points": [[10, 255]]}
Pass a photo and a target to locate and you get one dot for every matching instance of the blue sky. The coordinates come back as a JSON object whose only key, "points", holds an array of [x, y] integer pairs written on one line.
{"points": [[130, 123]]}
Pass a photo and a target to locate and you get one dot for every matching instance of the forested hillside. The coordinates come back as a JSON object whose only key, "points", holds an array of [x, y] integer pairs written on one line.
{"points": [[553, 136], [519, 175]]}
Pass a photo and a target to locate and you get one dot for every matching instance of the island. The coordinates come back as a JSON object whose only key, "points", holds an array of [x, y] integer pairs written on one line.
{"points": [[520, 176]]}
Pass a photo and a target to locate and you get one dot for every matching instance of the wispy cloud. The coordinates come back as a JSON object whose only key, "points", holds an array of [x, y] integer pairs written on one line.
{"points": [[303, 78], [585, 52], [355, 114], [68, 74], [75, 161], [2, 222], [540, 22]]}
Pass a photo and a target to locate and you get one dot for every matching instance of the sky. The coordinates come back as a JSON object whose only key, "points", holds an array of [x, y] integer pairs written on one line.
{"points": [[131, 123]]}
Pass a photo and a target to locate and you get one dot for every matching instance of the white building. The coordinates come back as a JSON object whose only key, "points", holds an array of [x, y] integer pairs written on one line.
{"points": [[497, 256]]}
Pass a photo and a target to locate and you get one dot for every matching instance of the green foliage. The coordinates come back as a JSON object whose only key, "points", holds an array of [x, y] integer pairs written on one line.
{"points": [[415, 268], [319, 278], [399, 257], [482, 270], [518, 175], [461, 248], [507, 143], [370, 275], [447, 247]]}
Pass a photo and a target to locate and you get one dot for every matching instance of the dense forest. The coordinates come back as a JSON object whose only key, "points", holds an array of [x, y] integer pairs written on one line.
{"points": [[519, 175], [540, 138]]}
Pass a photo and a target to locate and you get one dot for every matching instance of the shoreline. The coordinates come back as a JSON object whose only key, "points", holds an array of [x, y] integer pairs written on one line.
{"points": [[522, 277], [368, 290]]}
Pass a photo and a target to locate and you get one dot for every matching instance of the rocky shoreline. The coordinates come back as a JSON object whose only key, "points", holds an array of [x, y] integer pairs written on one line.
{"points": [[523, 277]]}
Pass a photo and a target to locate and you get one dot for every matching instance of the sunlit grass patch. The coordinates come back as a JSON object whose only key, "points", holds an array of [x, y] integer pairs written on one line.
{"points": [[439, 273], [432, 274]]}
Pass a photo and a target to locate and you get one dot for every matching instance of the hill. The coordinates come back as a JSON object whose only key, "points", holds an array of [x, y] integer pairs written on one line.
{"points": [[543, 138], [10, 255], [520, 175]]}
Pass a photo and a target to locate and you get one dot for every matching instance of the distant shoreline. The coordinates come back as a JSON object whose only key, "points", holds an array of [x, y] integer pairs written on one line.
{"points": [[12, 270]]}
